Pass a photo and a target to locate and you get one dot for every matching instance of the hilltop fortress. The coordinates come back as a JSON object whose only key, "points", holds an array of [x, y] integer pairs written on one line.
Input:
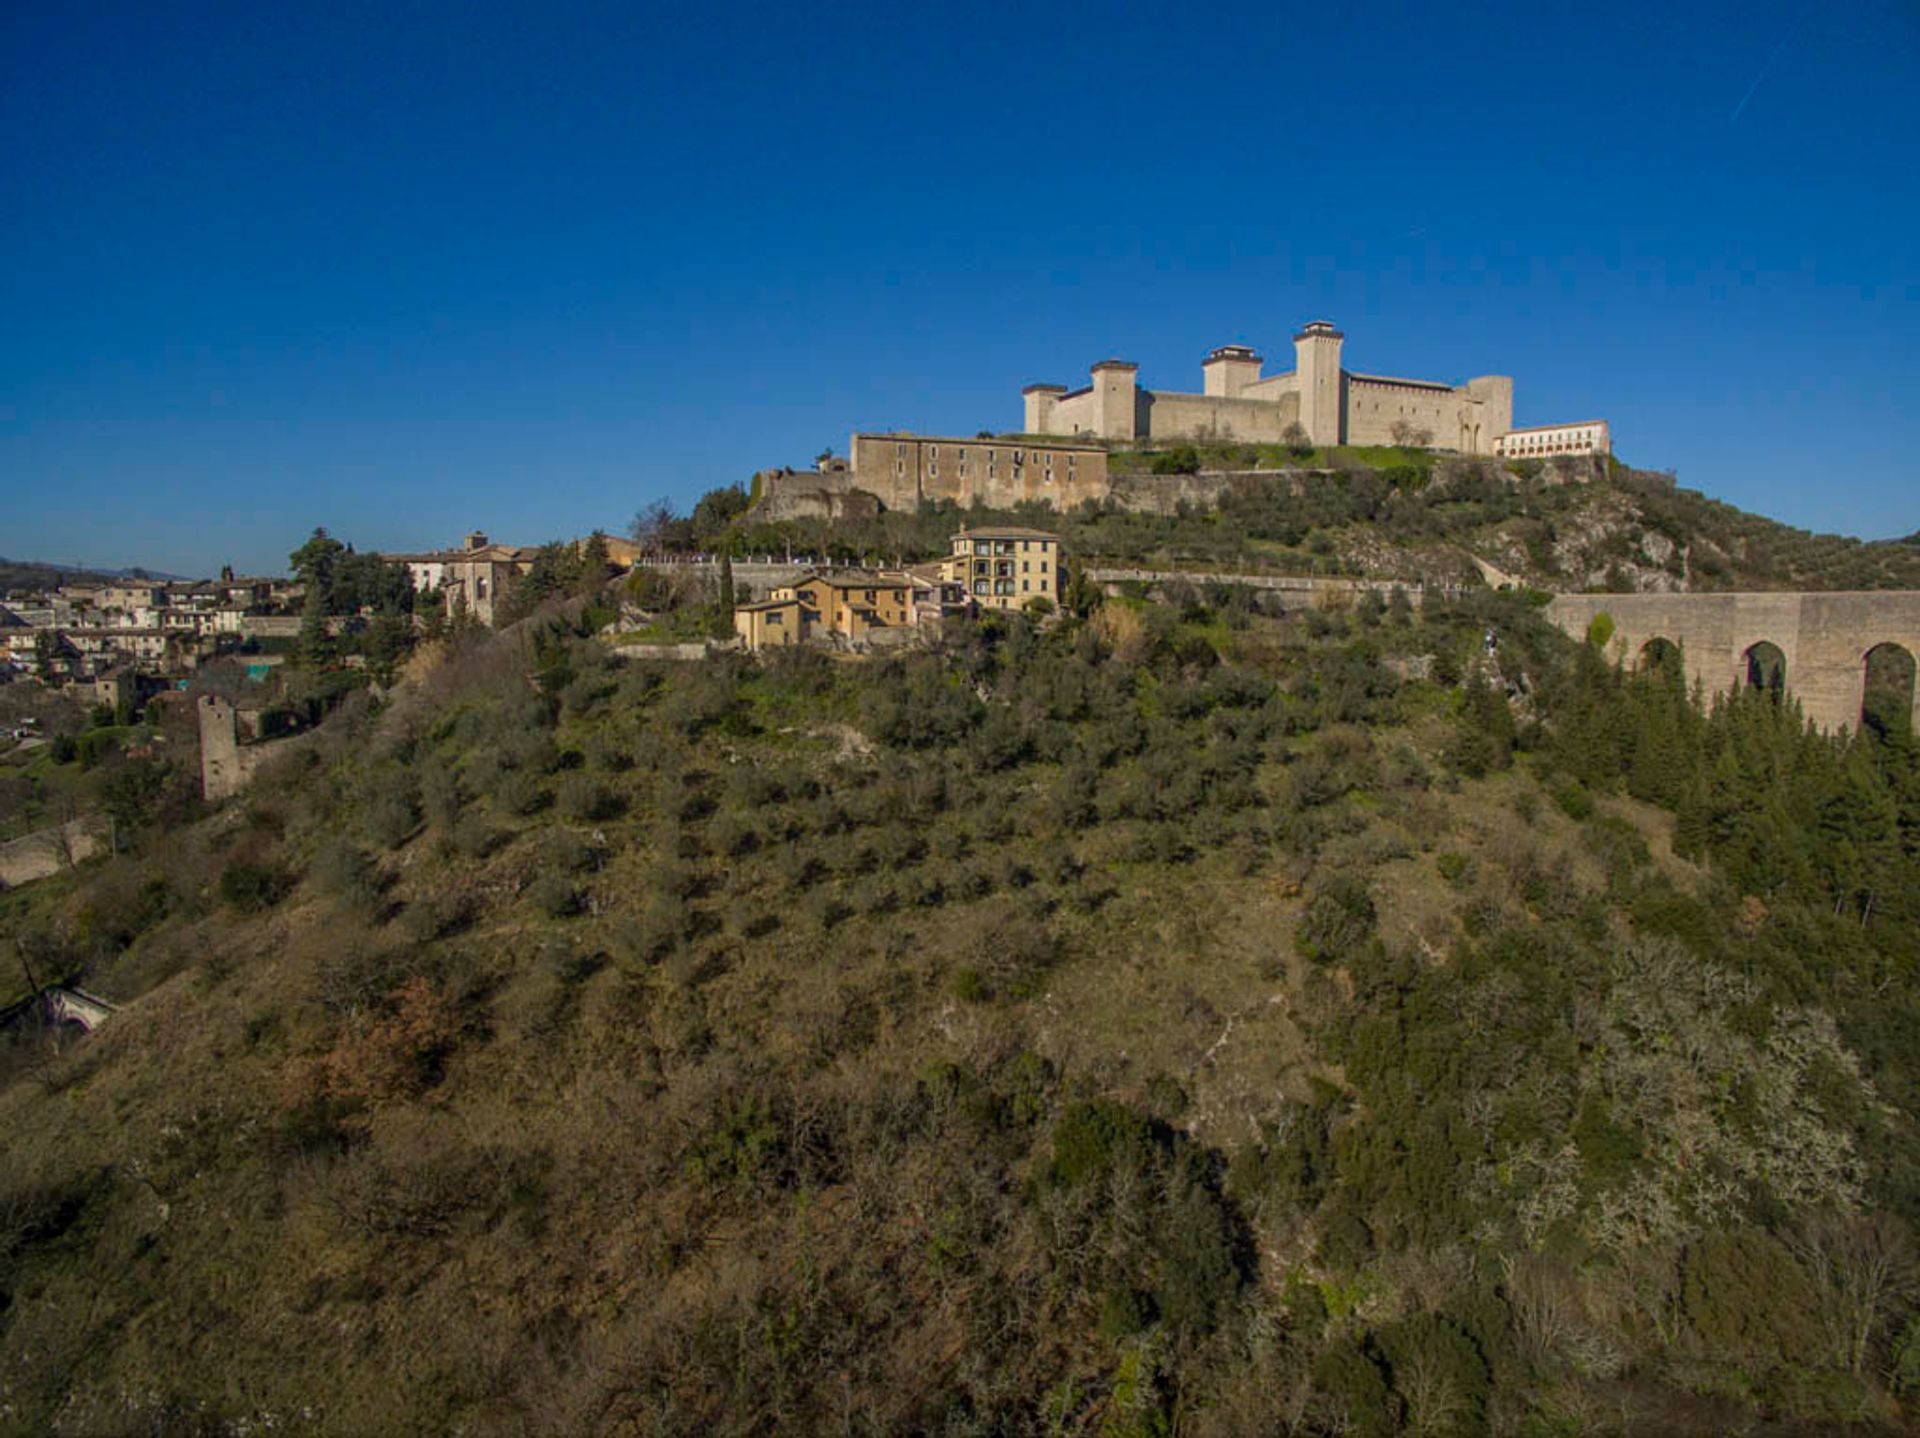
{"points": [[1330, 404], [1059, 457]]}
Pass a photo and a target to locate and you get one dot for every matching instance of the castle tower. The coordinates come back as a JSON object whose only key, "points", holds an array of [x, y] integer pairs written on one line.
{"points": [[1317, 362], [1040, 400], [1495, 395], [1116, 398], [1229, 370]]}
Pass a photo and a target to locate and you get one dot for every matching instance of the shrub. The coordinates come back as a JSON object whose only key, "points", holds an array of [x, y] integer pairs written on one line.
{"points": [[1746, 1299], [440, 794], [438, 914], [344, 872], [586, 800], [398, 1053], [1091, 1137], [1573, 799], [474, 838], [1339, 919], [733, 836], [251, 885], [392, 815], [520, 793], [555, 895]]}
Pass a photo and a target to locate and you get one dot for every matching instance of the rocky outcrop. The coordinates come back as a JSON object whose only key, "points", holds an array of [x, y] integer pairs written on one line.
{"points": [[790, 495]]}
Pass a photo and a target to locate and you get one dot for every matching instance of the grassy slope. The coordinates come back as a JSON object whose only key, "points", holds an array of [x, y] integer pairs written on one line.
{"points": [[583, 1104]]}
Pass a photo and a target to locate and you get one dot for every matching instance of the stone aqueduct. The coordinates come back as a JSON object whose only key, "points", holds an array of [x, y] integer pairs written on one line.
{"points": [[1822, 640]]}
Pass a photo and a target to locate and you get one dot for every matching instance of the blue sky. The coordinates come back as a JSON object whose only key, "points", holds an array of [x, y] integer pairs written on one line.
{"points": [[408, 269]]}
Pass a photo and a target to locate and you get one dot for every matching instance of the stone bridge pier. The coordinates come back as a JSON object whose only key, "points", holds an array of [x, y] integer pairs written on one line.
{"points": [[1818, 645]]}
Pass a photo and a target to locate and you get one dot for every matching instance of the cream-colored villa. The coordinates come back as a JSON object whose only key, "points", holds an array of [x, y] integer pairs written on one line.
{"points": [[1547, 441], [1329, 403]]}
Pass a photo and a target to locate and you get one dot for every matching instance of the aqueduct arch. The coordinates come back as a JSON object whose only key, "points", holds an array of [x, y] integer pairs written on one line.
{"points": [[1766, 667], [1818, 644], [1889, 684]]}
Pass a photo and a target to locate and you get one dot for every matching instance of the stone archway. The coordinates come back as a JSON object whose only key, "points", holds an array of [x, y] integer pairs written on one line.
{"points": [[1764, 666], [1661, 656], [1887, 690]]}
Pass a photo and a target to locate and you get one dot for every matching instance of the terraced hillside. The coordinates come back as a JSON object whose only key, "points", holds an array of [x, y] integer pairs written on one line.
{"points": [[1172, 1019], [1407, 514]]}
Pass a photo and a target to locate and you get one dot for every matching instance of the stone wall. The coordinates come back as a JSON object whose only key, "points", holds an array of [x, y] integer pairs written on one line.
{"points": [[1824, 637], [1170, 417], [905, 471], [222, 774]]}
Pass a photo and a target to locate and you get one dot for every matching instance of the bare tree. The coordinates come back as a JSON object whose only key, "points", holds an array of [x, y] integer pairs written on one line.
{"points": [[1865, 1270], [649, 527]]}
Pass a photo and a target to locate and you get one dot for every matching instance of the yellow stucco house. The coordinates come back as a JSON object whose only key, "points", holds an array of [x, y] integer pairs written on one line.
{"points": [[1006, 567], [848, 606]]}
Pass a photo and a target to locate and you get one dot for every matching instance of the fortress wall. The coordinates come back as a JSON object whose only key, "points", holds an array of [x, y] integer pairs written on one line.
{"points": [[1273, 387], [1077, 413], [1373, 410], [1824, 638], [1197, 416]]}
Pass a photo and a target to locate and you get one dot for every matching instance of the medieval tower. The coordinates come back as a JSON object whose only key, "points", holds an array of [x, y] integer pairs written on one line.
{"points": [[1317, 361]]}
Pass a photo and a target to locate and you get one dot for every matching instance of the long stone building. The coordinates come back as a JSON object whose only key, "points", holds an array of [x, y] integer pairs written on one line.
{"points": [[1331, 404], [906, 471]]}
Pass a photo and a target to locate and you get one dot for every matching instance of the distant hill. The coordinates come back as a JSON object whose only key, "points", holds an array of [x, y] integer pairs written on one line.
{"points": [[33, 574]]}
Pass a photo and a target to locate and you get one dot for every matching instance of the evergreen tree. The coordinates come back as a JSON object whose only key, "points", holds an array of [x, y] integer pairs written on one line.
{"points": [[723, 620], [596, 565], [314, 648]]}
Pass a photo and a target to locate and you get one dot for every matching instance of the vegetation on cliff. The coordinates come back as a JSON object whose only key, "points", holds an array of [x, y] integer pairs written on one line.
{"points": [[1388, 513], [1180, 1018]]}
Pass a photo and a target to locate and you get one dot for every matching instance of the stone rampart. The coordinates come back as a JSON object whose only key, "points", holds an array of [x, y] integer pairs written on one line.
{"points": [[1824, 638]]}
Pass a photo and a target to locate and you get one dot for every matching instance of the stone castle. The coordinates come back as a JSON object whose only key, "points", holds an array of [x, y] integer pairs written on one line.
{"points": [[1329, 403], [1059, 458]]}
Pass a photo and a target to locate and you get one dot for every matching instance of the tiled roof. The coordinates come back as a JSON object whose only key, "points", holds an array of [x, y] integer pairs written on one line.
{"points": [[1005, 531], [856, 579]]}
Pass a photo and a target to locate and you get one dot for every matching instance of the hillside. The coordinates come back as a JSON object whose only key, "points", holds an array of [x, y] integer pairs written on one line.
{"points": [[1173, 1020], [31, 576], [1404, 514]]}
